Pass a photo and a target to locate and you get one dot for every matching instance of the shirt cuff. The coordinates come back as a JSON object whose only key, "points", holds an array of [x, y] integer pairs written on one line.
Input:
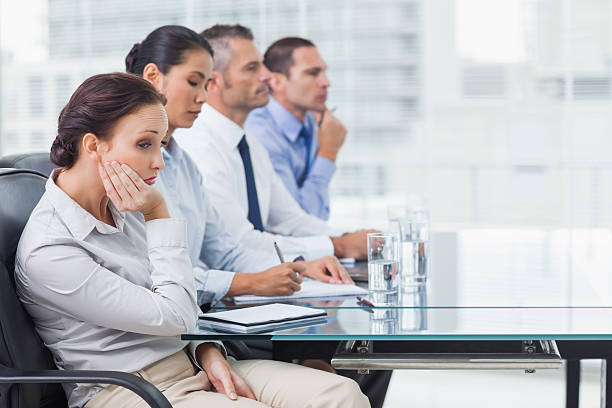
{"points": [[166, 232], [336, 232], [193, 345], [317, 247], [212, 280], [323, 168]]}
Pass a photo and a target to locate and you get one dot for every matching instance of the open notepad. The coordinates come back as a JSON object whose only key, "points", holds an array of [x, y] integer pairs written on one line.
{"points": [[264, 318], [310, 289]]}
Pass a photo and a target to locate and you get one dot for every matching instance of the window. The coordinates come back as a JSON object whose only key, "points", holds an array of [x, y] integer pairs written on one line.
{"points": [[508, 128], [63, 89], [36, 93]]}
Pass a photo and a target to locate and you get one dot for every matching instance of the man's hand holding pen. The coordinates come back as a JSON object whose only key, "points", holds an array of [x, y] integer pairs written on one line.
{"points": [[280, 280]]}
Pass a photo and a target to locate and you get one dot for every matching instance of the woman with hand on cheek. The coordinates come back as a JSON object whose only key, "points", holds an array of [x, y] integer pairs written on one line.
{"points": [[105, 273], [100, 267]]}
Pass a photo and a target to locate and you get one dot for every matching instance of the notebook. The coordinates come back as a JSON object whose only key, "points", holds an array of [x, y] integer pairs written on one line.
{"points": [[310, 289], [264, 318]]}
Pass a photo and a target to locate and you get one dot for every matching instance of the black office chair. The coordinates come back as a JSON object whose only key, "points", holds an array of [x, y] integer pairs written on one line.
{"points": [[28, 377], [40, 162]]}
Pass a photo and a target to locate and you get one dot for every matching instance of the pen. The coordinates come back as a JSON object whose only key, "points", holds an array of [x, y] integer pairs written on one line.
{"points": [[279, 253], [332, 110], [365, 301], [282, 258]]}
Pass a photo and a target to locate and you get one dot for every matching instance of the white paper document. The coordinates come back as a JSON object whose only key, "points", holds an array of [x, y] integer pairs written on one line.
{"points": [[347, 261], [262, 318], [310, 289]]}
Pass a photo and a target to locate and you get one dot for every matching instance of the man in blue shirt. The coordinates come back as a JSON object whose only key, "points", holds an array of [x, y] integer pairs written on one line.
{"points": [[301, 135]]}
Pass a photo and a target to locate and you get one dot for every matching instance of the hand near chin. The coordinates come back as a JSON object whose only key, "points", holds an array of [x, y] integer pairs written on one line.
{"points": [[128, 191]]}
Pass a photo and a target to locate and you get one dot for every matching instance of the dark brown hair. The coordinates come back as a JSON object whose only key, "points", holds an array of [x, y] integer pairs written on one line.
{"points": [[279, 56], [165, 47], [96, 107]]}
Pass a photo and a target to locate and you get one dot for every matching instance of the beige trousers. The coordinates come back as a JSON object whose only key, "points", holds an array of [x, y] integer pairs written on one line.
{"points": [[275, 384]]}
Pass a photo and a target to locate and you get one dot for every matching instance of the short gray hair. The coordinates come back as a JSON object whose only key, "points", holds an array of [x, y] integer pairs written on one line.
{"points": [[219, 35]]}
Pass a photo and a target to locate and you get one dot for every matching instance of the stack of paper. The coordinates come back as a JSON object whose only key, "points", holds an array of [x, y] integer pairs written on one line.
{"points": [[264, 318], [310, 289]]}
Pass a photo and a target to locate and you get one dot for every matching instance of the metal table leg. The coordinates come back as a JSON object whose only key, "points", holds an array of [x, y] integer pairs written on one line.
{"points": [[572, 383], [606, 384]]}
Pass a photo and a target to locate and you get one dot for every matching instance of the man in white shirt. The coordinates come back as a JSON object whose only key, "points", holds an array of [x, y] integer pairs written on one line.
{"points": [[238, 174]]}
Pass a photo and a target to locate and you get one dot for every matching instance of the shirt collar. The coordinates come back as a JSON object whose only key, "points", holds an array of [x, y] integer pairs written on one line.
{"points": [[79, 221], [285, 120], [230, 133]]}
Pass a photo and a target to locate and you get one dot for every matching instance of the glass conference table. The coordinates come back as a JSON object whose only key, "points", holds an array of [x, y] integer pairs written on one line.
{"points": [[495, 299]]}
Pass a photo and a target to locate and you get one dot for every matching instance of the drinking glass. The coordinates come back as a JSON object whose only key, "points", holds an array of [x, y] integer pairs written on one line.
{"points": [[383, 267], [413, 231]]}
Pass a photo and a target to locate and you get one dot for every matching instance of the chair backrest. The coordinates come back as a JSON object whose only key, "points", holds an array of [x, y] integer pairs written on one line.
{"points": [[40, 162], [20, 345]]}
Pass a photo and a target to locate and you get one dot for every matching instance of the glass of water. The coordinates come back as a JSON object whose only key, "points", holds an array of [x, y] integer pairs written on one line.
{"points": [[383, 268], [413, 232]]}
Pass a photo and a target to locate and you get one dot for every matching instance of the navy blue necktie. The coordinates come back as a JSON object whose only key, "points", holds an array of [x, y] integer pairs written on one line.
{"points": [[254, 213], [304, 133]]}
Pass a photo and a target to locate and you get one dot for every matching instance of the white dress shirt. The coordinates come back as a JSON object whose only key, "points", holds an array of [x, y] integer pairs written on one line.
{"points": [[104, 298], [210, 244], [213, 144]]}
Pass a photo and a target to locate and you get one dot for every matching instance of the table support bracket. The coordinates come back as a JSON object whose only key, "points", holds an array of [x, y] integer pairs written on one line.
{"points": [[359, 355]]}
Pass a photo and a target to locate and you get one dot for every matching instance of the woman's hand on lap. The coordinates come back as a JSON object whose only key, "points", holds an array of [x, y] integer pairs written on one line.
{"points": [[220, 373]]}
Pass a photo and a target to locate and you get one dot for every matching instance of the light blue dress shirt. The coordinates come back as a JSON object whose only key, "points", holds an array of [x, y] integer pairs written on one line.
{"points": [[278, 130], [210, 245]]}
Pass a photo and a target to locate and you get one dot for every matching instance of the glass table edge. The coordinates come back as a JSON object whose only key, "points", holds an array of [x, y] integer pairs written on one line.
{"points": [[394, 337], [214, 308]]}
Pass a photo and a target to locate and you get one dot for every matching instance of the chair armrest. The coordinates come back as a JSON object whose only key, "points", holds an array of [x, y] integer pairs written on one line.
{"points": [[141, 387]]}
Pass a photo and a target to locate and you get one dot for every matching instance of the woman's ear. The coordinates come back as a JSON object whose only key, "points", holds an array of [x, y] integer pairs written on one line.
{"points": [[93, 147], [152, 74]]}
